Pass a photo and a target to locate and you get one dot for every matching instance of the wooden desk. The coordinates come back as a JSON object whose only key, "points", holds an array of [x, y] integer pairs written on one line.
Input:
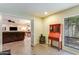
{"points": [[55, 37]]}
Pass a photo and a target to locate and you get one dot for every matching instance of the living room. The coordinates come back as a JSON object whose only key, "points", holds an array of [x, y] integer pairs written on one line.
{"points": [[41, 16]]}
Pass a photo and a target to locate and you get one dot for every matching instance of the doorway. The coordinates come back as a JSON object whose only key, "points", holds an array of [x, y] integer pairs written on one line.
{"points": [[23, 25]]}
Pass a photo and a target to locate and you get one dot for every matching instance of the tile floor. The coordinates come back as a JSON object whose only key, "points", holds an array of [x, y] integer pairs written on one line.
{"points": [[19, 47], [43, 49], [24, 48]]}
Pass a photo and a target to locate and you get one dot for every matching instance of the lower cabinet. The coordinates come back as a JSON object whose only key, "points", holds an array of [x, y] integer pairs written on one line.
{"points": [[12, 36]]}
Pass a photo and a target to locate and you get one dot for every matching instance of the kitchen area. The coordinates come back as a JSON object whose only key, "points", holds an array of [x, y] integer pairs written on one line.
{"points": [[16, 34]]}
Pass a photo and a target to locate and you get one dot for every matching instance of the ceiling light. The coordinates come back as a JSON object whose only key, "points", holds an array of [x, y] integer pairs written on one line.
{"points": [[45, 13]]}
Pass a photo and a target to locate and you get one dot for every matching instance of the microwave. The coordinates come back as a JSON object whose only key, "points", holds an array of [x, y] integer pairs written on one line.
{"points": [[13, 28]]}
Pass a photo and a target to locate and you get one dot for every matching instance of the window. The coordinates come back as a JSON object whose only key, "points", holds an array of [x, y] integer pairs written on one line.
{"points": [[71, 32]]}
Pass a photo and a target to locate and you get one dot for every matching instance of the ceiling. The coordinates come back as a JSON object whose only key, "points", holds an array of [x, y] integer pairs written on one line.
{"points": [[34, 9], [17, 21]]}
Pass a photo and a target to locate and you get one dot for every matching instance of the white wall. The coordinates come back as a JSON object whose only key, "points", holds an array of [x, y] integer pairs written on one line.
{"points": [[54, 19], [38, 29], [58, 18], [0, 33]]}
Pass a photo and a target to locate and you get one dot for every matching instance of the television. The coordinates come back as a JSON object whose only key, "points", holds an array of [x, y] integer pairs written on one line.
{"points": [[13, 28]]}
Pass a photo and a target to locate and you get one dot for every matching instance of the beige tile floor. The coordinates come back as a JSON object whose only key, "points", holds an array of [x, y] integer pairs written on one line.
{"points": [[43, 49], [19, 47], [24, 48]]}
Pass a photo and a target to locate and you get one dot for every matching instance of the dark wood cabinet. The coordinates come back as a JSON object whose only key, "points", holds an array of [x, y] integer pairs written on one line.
{"points": [[12, 36]]}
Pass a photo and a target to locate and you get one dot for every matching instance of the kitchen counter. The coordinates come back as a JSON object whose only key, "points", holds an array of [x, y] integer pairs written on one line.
{"points": [[12, 36]]}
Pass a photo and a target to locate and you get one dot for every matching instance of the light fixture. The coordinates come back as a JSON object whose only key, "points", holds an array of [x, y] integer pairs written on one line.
{"points": [[45, 13], [11, 21]]}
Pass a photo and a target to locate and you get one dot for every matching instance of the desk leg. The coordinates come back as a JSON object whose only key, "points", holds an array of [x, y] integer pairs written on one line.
{"points": [[51, 43], [48, 43], [59, 45]]}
